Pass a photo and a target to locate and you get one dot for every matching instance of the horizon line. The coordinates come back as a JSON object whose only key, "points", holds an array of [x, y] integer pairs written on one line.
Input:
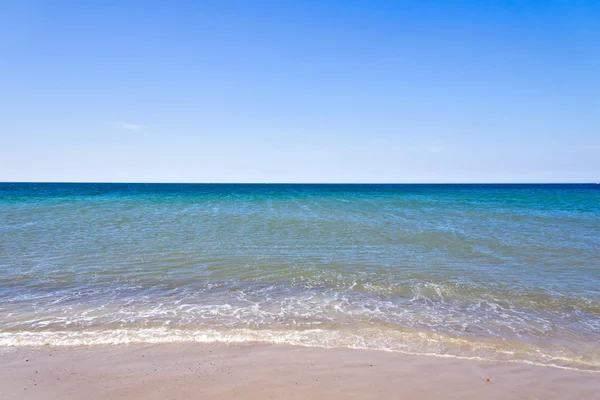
{"points": [[300, 183]]}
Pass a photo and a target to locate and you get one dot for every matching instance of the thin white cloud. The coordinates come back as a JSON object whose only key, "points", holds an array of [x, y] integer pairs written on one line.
{"points": [[126, 125], [435, 149]]}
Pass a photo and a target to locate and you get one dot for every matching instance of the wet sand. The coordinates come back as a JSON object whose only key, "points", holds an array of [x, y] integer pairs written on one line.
{"points": [[257, 371]]}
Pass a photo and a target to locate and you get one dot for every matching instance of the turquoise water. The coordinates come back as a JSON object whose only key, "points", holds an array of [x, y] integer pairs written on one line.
{"points": [[496, 272]]}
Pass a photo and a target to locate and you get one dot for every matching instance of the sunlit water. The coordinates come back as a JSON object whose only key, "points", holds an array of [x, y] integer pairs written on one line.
{"points": [[495, 272]]}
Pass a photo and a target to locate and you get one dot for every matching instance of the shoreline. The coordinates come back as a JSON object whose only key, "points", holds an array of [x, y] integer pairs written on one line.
{"points": [[257, 371], [484, 351]]}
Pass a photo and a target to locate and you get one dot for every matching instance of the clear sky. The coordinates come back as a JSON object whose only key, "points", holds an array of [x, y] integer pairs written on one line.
{"points": [[300, 91]]}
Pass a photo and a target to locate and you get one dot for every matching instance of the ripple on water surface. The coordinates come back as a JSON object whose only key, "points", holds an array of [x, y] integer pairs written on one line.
{"points": [[492, 272]]}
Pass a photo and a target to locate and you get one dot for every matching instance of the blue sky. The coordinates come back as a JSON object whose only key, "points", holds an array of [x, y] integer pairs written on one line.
{"points": [[300, 91]]}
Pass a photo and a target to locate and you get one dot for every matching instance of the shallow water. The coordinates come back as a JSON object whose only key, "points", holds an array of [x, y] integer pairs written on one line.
{"points": [[500, 272]]}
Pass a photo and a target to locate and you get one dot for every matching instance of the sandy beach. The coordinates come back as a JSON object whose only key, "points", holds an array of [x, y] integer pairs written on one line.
{"points": [[256, 371]]}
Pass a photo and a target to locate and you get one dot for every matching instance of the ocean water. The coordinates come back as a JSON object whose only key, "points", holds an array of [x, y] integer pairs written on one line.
{"points": [[493, 272]]}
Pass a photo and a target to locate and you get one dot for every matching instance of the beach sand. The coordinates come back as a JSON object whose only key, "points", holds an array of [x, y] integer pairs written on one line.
{"points": [[260, 371]]}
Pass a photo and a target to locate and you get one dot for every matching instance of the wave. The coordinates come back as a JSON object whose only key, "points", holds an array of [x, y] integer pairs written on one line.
{"points": [[406, 342]]}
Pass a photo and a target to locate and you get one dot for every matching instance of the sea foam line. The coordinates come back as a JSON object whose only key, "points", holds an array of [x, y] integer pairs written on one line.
{"points": [[316, 338]]}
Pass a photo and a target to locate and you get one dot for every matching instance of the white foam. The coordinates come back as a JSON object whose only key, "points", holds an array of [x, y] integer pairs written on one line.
{"points": [[414, 343]]}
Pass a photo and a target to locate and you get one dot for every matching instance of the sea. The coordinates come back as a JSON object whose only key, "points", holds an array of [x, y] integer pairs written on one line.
{"points": [[507, 273]]}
